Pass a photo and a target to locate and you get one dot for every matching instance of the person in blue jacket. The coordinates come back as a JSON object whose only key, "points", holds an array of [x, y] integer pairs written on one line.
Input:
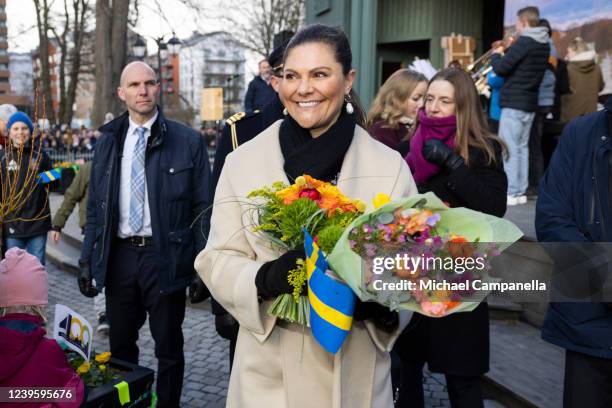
{"points": [[496, 83], [574, 207]]}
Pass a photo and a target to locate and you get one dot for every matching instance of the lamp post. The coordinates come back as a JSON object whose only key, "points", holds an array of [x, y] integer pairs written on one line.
{"points": [[172, 46]]}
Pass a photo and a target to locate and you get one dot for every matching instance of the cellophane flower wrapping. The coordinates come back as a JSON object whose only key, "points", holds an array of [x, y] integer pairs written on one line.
{"points": [[420, 225]]}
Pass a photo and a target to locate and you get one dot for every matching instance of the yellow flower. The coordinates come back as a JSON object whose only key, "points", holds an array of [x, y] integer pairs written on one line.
{"points": [[361, 206], [83, 368], [300, 181], [104, 357], [380, 199], [102, 367]]}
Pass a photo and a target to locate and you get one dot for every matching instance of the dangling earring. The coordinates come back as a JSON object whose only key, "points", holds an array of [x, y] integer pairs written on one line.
{"points": [[285, 112], [349, 108]]}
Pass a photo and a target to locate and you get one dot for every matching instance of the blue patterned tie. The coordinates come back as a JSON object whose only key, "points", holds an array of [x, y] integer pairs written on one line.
{"points": [[137, 182]]}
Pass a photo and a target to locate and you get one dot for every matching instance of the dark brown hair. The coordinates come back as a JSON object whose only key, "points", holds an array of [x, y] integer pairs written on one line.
{"points": [[336, 39]]}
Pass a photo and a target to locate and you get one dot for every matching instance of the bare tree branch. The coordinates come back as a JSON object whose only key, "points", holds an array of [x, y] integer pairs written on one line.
{"points": [[255, 26]]}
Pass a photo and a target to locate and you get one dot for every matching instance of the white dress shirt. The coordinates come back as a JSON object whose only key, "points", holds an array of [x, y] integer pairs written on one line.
{"points": [[125, 191]]}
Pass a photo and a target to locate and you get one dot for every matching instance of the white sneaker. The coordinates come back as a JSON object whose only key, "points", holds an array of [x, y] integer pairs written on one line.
{"points": [[522, 199], [512, 200]]}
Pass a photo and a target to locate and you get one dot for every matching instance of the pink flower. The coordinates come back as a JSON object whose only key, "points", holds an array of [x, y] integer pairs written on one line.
{"points": [[433, 308], [370, 249]]}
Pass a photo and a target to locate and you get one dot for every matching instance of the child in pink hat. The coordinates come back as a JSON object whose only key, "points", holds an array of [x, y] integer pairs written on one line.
{"points": [[28, 358]]}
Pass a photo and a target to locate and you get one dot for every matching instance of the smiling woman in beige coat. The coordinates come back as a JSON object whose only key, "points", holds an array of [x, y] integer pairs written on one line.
{"points": [[279, 364]]}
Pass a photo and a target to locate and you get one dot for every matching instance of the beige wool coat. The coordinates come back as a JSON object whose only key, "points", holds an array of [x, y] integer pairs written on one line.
{"points": [[278, 364]]}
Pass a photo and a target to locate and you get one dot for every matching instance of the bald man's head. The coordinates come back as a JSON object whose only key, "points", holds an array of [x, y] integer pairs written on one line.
{"points": [[139, 88], [135, 66]]}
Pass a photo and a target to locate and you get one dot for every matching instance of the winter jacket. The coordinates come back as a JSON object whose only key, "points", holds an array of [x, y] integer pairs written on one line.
{"points": [[546, 92], [178, 180], [574, 206], [523, 67], [586, 81], [33, 217], [76, 193], [258, 94], [277, 363], [394, 138], [31, 360], [246, 127], [496, 83]]}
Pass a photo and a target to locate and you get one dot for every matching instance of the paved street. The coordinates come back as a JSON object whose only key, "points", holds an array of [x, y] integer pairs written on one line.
{"points": [[206, 354]]}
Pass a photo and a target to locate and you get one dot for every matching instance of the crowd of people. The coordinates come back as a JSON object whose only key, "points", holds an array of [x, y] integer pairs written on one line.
{"points": [[146, 223]]}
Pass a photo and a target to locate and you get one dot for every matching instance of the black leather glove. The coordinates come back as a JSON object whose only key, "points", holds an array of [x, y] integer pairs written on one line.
{"points": [[383, 318], [226, 326], [436, 152], [271, 279], [85, 280], [198, 292]]}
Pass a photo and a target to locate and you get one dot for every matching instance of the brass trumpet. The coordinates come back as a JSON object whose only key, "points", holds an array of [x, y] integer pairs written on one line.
{"points": [[482, 66]]}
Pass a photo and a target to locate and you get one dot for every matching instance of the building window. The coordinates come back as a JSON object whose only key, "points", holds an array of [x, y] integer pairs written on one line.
{"points": [[2, 24], [221, 53], [4, 80]]}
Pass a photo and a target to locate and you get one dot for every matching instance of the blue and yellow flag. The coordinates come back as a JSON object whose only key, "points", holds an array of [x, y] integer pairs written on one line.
{"points": [[331, 302], [51, 175]]}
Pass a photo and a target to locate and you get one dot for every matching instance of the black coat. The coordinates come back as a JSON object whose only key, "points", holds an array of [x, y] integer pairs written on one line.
{"points": [[523, 68], [458, 344], [249, 125], [178, 181], [574, 207], [36, 207], [258, 94]]}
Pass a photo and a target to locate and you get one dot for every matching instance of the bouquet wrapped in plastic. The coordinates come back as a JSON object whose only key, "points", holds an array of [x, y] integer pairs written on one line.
{"points": [[418, 254]]}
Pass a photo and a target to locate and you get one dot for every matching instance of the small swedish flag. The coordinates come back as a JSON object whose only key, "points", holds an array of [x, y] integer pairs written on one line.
{"points": [[331, 302], [51, 175]]}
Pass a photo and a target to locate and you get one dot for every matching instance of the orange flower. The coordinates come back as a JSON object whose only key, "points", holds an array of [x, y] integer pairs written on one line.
{"points": [[326, 195], [451, 305], [459, 247], [418, 222]]}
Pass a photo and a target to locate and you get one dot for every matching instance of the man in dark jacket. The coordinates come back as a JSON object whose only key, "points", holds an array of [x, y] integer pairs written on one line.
{"points": [[239, 129], [522, 67], [575, 207], [149, 187], [260, 92]]}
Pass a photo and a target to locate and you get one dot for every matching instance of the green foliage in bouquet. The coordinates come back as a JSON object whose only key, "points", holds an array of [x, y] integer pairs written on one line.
{"points": [[282, 212]]}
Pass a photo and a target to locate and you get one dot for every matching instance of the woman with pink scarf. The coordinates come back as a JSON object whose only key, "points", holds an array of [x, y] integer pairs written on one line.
{"points": [[453, 155]]}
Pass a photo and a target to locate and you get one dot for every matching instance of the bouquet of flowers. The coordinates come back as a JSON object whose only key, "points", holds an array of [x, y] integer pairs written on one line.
{"points": [[420, 255], [283, 211]]}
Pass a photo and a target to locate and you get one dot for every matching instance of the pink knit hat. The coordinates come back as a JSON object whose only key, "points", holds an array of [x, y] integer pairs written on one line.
{"points": [[23, 280]]}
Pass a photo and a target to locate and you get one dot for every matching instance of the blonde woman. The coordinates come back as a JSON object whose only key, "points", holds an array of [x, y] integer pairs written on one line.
{"points": [[585, 78], [395, 108]]}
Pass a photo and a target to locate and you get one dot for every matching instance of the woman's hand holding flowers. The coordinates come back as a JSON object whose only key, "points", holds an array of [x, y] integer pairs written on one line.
{"points": [[272, 277]]}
